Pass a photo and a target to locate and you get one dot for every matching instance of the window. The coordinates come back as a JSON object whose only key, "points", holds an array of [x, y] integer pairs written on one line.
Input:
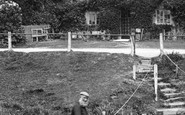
{"points": [[162, 17], [37, 32], [44, 31], [34, 32], [91, 18]]}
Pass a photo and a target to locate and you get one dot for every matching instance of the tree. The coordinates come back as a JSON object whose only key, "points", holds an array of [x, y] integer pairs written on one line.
{"points": [[65, 15], [178, 11], [10, 17]]}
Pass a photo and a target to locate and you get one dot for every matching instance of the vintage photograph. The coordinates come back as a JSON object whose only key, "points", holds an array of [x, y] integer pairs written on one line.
{"points": [[92, 57]]}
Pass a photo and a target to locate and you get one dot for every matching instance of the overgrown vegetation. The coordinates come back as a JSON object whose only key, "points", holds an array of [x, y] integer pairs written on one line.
{"points": [[166, 61], [171, 70]]}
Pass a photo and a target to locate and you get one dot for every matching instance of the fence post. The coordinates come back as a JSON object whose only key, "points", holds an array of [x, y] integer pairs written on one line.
{"points": [[69, 42], [9, 41], [164, 36], [103, 112], [132, 45], [161, 43], [134, 71], [176, 71], [156, 81]]}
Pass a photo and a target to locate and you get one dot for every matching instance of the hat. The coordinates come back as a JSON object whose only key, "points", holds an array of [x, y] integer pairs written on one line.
{"points": [[84, 93]]}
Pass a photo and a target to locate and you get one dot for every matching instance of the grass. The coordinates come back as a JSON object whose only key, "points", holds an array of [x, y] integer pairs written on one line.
{"points": [[168, 44], [49, 83], [78, 44]]}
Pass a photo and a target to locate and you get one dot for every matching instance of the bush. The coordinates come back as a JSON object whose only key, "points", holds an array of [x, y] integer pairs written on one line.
{"points": [[165, 62]]}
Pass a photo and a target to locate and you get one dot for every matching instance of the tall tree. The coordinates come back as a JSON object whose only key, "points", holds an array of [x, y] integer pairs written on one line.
{"points": [[65, 14]]}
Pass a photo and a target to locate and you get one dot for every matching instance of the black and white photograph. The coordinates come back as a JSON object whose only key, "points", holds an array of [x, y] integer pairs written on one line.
{"points": [[92, 57]]}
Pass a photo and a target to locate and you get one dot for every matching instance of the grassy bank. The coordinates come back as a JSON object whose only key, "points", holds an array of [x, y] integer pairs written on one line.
{"points": [[50, 83]]}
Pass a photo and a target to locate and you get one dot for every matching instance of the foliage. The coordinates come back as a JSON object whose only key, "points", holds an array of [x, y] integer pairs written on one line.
{"points": [[177, 10], [107, 16], [39, 12], [10, 18], [10, 21], [65, 15], [164, 61]]}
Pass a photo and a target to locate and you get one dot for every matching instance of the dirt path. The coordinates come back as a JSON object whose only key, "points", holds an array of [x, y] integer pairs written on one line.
{"points": [[148, 53]]}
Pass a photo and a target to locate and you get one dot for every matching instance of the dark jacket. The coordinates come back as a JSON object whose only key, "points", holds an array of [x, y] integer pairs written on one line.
{"points": [[79, 110]]}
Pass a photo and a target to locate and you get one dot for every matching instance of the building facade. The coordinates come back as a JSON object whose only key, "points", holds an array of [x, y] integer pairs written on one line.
{"points": [[36, 33]]}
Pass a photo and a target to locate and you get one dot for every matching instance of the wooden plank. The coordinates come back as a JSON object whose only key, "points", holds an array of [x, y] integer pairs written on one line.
{"points": [[168, 90], [159, 78], [144, 68], [172, 99], [156, 81], [69, 42], [134, 72], [161, 42], [163, 84], [146, 62], [9, 41], [170, 111], [172, 94], [174, 104]]}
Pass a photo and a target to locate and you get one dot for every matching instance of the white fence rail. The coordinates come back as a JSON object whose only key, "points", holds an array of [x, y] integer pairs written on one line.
{"points": [[70, 38]]}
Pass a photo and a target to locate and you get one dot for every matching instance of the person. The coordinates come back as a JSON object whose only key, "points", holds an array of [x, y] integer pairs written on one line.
{"points": [[80, 107]]}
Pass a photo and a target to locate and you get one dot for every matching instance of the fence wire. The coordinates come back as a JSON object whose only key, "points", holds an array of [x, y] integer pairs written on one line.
{"points": [[78, 40]]}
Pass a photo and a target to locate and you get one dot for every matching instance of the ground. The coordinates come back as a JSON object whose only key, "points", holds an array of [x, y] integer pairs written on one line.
{"points": [[51, 82], [168, 44]]}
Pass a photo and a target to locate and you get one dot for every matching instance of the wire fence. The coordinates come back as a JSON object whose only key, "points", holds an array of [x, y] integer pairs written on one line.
{"points": [[76, 41], [61, 40]]}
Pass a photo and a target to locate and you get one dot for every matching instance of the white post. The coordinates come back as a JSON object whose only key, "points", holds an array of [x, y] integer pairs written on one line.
{"points": [[156, 81], [134, 72], [69, 42], [9, 41], [161, 43], [132, 45], [103, 113], [176, 71], [37, 39], [142, 30], [164, 34]]}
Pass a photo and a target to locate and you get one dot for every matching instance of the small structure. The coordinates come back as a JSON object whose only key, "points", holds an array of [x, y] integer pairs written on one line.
{"points": [[91, 18], [36, 33]]}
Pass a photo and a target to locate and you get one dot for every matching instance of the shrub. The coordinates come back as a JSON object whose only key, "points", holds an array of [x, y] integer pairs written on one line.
{"points": [[165, 61]]}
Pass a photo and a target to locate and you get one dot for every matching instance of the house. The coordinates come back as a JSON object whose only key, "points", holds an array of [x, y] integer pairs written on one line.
{"points": [[36, 33], [164, 17]]}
